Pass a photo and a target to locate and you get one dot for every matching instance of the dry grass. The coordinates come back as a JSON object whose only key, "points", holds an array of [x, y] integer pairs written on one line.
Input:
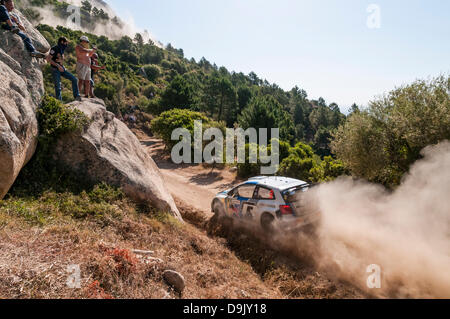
{"points": [[282, 263], [35, 254], [285, 269], [99, 230]]}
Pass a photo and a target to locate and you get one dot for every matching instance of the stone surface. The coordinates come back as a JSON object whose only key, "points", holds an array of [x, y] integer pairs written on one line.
{"points": [[107, 151], [21, 90], [175, 279]]}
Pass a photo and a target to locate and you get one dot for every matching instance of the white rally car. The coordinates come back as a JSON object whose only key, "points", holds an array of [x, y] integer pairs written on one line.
{"points": [[268, 201]]}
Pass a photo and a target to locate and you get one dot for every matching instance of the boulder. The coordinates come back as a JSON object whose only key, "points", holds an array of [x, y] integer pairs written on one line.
{"points": [[21, 90], [107, 151], [175, 280]]}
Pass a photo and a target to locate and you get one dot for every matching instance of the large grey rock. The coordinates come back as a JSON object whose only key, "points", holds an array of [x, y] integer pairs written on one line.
{"points": [[21, 90], [107, 151]]}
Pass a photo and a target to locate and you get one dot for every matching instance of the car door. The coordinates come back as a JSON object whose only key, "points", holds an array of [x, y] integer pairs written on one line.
{"points": [[266, 200], [240, 199], [248, 210]]}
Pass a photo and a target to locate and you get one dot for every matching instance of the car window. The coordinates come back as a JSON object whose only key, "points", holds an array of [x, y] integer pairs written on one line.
{"points": [[295, 194], [265, 193], [246, 191]]}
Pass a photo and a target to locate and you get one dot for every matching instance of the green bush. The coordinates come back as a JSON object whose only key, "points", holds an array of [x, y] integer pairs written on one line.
{"points": [[154, 105], [298, 162], [296, 167], [105, 91], [166, 64], [380, 143], [328, 170], [56, 118], [301, 151], [247, 169], [132, 89], [103, 193], [178, 94], [150, 89], [99, 204], [142, 102], [130, 57], [153, 71], [41, 173], [168, 121]]}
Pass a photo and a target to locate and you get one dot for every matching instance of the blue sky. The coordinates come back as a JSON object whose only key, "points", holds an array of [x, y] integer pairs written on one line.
{"points": [[323, 46]]}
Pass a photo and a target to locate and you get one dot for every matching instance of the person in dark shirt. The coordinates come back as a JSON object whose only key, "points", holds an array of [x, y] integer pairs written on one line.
{"points": [[56, 60], [11, 22], [94, 69]]}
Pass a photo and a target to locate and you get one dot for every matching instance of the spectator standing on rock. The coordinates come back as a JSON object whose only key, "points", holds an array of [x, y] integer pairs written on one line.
{"points": [[56, 60], [11, 22], [84, 55], [94, 69]]}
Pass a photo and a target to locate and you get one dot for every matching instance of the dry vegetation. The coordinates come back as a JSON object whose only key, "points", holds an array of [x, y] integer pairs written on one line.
{"points": [[282, 263], [99, 230], [35, 253]]}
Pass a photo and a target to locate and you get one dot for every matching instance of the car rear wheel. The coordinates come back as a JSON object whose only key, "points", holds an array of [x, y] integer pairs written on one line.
{"points": [[267, 222]]}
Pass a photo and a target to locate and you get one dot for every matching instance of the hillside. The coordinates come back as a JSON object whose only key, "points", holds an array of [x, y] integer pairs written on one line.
{"points": [[82, 186], [81, 192], [140, 72]]}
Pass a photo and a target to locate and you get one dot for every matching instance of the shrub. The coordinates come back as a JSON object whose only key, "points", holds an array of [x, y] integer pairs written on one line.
{"points": [[150, 90], [302, 151], [179, 94], [296, 167], [130, 57], [55, 119], [328, 170], [284, 149], [154, 106], [132, 89], [166, 64], [105, 91], [168, 121], [381, 143], [248, 169], [104, 193], [153, 71], [142, 102]]}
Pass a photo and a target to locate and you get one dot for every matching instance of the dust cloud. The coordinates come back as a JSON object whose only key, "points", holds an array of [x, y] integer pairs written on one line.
{"points": [[405, 232]]}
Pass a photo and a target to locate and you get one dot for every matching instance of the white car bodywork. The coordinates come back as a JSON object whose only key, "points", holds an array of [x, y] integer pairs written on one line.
{"points": [[265, 200]]}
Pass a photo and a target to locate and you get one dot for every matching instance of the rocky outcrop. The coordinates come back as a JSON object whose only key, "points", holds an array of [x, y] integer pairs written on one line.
{"points": [[21, 90], [107, 151]]}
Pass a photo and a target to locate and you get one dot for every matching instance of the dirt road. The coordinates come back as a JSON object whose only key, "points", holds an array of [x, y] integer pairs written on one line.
{"points": [[193, 185]]}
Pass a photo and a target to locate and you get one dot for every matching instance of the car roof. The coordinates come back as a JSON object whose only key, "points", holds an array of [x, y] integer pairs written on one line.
{"points": [[278, 182]]}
